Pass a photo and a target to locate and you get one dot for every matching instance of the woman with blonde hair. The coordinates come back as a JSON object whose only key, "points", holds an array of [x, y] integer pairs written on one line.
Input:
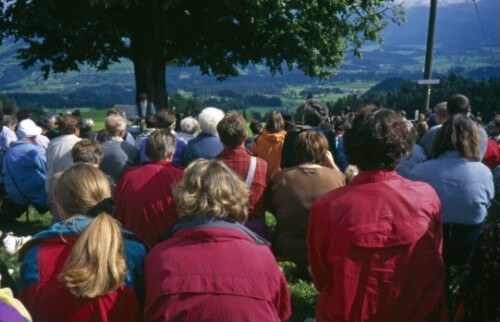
{"points": [[222, 271], [85, 268]]}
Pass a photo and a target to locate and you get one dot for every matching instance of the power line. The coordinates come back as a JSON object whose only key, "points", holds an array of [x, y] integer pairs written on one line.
{"points": [[481, 23]]}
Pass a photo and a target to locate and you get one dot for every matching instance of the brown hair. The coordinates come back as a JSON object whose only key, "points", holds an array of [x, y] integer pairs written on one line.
{"points": [[210, 188], [232, 129], [459, 133], [86, 151], [377, 140], [311, 147], [275, 122], [68, 124], [96, 264], [165, 119]]}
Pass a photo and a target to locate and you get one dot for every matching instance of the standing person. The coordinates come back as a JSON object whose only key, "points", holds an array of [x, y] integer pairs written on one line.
{"points": [[256, 127], [207, 144], [24, 171], [464, 185], [145, 107], [290, 201], [269, 144], [222, 271], [232, 131], [84, 268], [144, 194], [118, 154], [59, 149], [375, 245]]}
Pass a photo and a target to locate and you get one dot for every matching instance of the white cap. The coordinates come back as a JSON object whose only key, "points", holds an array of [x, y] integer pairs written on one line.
{"points": [[27, 129]]}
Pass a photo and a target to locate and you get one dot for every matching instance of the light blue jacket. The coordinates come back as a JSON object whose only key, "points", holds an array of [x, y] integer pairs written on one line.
{"points": [[26, 164], [464, 187]]}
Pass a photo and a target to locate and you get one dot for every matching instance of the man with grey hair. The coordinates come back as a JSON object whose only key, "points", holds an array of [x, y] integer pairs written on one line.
{"points": [[207, 144], [144, 194], [189, 129], [118, 154]]}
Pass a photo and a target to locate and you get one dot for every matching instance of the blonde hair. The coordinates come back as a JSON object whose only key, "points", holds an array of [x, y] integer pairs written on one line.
{"points": [[96, 264], [210, 188]]}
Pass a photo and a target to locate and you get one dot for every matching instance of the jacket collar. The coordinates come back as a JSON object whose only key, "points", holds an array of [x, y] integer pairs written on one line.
{"points": [[374, 175]]}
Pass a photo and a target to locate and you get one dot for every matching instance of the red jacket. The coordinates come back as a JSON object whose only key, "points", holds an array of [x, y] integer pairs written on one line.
{"points": [[375, 251], [144, 202], [214, 274], [46, 298]]}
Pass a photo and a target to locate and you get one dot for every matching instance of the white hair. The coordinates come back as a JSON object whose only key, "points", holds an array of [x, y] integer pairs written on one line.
{"points": [[209, 118], [88, 123], [189, 125]]}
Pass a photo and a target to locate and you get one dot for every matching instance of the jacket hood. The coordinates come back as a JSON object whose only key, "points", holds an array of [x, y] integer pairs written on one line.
{"points": [[273, 136]]}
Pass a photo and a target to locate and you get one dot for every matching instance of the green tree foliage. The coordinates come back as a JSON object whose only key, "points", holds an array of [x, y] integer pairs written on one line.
{"points": [[483, 94], [217, 36]]}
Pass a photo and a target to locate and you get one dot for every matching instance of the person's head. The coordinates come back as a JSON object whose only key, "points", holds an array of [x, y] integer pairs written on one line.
{"points": [[160, 146], [96, 264], [115, 125], [165, 119], [339, 129], [69, 124], [256, 127], [232, 130], [275, 122], [142, 96], [210, 188], [441, 111], [87, 124], [150, 121], [27, 130], [189, 125], [209, 118], [87, 151], [422, 128], [116, 111], [311, 147], [458, 133], [377, 140], [315, 112], [51, 120], [9, 121], [496, 125], [458, 103]]}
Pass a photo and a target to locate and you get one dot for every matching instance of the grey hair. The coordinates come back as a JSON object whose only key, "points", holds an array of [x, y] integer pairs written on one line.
{"points": [[189, 125], [209, 118], [115, 124]]}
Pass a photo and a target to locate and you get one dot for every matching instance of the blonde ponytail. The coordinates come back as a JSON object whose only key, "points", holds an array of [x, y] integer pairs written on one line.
{"points": [[96, 264]]}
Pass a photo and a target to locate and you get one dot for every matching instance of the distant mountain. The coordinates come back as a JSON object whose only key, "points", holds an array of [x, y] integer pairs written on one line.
{"points": [[465, 44]]}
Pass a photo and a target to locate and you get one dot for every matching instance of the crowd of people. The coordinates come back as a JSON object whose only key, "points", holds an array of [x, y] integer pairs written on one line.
{"points": [[380, 213]]}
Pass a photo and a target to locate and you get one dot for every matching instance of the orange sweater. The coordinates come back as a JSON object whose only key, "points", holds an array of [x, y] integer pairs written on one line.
{"points": [[268, 146]]}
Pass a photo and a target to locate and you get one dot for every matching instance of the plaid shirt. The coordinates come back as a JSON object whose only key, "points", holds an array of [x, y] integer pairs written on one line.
{"points": [[238, 160]]}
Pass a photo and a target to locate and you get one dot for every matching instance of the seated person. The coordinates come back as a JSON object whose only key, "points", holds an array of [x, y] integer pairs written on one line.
{"points": [[222, 271], [85, 268]]}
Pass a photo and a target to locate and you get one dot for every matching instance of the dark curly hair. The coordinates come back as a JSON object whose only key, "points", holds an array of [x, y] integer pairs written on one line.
{"points": [[377, 140]]}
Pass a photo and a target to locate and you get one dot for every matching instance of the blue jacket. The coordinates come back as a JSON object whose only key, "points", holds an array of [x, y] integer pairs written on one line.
{"points": [[206, 146], [26, 164]]}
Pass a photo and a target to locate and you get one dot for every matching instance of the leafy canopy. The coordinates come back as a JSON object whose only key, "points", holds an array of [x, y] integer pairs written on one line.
{"points": [[218, 36]]}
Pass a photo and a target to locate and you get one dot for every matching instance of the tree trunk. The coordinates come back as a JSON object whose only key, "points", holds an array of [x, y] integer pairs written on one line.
{"points": [[148, 57]]}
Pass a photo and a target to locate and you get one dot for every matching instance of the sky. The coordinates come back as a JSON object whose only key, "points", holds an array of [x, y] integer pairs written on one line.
{"points": [[415, 3]]}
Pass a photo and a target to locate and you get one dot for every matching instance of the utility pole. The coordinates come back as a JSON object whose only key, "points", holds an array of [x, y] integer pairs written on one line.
{"points": [[429, 50]]}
